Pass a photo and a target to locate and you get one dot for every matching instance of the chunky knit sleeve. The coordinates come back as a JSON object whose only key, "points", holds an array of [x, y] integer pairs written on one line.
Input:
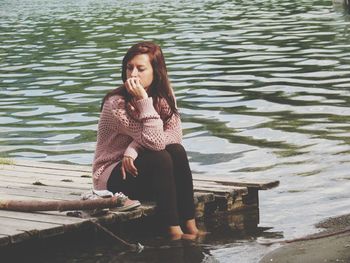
{"points": [[147, 129], [172, 134], [172, 127], [173, 130]]}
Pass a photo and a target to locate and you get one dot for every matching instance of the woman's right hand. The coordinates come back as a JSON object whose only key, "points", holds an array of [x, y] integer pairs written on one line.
{"points": [[128, 166], [134, 87]]}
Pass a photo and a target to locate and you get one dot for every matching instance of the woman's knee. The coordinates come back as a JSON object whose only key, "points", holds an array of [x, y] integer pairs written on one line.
{"points": [[176, 149], [158, 160]]}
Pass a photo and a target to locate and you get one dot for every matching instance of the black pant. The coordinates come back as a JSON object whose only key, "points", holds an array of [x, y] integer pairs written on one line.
{"points": [[163, 176]]}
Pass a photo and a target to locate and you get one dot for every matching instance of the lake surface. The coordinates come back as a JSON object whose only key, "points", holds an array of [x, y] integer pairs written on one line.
{"points": [[263, 88]]}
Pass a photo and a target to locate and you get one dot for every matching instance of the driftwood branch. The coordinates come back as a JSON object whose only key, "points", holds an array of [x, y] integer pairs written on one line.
{"points": [[64, 205]]}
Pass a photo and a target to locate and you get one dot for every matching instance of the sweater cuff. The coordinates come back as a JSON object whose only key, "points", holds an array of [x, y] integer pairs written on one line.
{"points": [[131, 152], [145, 106]]}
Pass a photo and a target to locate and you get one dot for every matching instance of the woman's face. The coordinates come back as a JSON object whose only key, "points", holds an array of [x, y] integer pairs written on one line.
{"points": [[140, 67]]}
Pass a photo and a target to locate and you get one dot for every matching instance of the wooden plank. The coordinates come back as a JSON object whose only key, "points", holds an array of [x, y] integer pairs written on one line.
{"points": [[216, 186], [261, 185], [44, 183], [14, 235], [218, 190], [35, 170], [58, 168], [17, 176], [42, 217], [33, 228], [33, 174], [55, 166], [42, 189], [222, 193], [38, 193], [16, 197]]}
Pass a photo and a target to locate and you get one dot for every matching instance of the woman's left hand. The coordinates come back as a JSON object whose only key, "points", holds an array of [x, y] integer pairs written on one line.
{"points": [[128, 166]]}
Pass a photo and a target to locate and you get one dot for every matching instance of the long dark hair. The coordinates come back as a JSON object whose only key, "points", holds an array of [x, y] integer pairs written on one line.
{"points": [[160, 87]]}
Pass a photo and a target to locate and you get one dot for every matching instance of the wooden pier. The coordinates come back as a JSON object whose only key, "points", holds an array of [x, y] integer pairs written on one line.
{"points": [[28, 180]]}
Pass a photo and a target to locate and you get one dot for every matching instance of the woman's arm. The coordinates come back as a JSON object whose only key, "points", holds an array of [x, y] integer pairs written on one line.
{"points": [[147, 130], [173, 130], [172, 134], [172, 127]]}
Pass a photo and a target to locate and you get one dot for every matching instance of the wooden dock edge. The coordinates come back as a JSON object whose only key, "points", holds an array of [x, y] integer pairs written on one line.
{"points": [[212, 197]]}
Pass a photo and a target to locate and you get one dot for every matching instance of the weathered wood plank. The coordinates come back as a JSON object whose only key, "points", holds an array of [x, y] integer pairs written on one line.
{"points": [[55, 166], [211, 189], [50, 180], [261, 185], [13, 186], [39, 193], [39, 170], [41, 217], [33, 228], [27, 182], [16, 197], [14, 235], [62, 178], [220, 188]]}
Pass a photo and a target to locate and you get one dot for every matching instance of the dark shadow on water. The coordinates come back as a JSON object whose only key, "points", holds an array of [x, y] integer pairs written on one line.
{"points": [[94, 246]]}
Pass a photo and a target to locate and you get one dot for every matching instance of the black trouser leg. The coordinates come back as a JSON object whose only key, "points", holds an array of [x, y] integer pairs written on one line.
{"points": [[183, 181], [163, 176], [155, 181]]}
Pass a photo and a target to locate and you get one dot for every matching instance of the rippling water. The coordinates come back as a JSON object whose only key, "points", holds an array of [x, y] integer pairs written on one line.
{"points": [[263, 88]]}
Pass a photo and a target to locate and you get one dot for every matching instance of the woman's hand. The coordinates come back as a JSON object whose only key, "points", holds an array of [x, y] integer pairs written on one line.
{"points": [[128, 166], [134, 87]]}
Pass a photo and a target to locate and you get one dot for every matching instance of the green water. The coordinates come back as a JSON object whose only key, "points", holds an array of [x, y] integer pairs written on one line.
{"points": [[263, 88]]}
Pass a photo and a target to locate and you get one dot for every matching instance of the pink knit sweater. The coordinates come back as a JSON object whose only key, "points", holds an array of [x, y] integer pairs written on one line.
{"points": [[125, 131]]}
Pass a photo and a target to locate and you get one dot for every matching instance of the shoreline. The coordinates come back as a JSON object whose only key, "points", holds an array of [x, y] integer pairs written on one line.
{"points": [[330, 245]]}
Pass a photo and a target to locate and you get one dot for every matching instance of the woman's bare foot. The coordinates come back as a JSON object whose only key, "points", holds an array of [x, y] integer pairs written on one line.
{"points": [[192, 232], [190, 227], [175, 232]]}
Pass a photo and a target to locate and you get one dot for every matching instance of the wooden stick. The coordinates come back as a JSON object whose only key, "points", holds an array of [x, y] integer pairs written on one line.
{"points": [[64, 205], [134, 247]]}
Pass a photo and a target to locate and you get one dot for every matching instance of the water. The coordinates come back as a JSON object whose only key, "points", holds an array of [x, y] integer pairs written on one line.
{"points": [[263, 88]]}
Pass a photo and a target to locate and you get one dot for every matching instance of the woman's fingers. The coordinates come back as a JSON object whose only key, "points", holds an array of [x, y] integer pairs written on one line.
{"points": [[128, 166], [129, 86], [138, 83], [135, 88], [123, 171], [133, 169]]}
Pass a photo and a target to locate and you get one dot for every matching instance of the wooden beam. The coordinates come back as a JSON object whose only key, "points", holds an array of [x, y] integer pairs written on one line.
{"points": [[260, 185]]}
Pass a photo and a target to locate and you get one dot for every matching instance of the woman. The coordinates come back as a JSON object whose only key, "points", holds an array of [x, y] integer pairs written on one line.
{"points": [[139, 149]]}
